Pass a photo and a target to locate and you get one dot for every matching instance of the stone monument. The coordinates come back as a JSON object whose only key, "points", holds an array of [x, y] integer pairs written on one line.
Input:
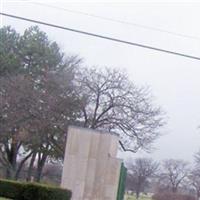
{"points": [[91, 170]]}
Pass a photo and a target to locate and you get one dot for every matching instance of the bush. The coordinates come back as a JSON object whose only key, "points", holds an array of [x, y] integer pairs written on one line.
{"points": [[10, 189], [32, 191], [172, 196]]}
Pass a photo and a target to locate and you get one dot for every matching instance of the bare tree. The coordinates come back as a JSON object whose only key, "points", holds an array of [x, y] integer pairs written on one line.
{"points": [[111, 102], [194, 180], [40, 94], [174, 174], [197, 159], [140, 171], [194, 176]]}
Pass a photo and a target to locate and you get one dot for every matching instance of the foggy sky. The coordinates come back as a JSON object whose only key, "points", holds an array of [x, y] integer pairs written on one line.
{"points": [[174, 81]]}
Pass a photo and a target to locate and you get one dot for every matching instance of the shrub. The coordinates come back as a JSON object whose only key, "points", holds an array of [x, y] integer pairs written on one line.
{"points": [[10, 189], [172, 196], [32, 191]]}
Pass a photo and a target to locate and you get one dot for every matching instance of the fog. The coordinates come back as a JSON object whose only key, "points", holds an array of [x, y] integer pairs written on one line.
{"points": [[174, 80]]}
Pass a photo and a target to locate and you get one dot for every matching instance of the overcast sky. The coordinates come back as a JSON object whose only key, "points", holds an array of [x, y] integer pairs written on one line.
{"points": [[174, 80]]}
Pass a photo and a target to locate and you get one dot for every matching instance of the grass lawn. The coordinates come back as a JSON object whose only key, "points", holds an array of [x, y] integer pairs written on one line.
{"points": [[142, 197], [1, 198]]}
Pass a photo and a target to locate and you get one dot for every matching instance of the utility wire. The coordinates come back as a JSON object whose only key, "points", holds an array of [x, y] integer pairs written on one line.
{"points": [[101, 36], [120, 21]]}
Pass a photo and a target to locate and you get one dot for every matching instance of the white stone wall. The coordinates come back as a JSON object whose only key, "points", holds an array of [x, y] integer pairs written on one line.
{"points": [[91, 170]]}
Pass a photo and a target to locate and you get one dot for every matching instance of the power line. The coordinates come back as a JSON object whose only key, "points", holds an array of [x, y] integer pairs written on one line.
{"points": [[101, 36], [120, 21]]}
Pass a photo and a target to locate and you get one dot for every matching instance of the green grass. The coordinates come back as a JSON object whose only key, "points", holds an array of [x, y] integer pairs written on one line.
{"points": [[142, 197], [1, 198]]}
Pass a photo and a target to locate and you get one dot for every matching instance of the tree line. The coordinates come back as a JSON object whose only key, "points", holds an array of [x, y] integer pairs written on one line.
{"points": [[43, 91], [170, 178]]}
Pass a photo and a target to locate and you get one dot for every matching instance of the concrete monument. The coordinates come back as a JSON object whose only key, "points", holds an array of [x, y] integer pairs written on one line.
{"points": [[91, 170]]}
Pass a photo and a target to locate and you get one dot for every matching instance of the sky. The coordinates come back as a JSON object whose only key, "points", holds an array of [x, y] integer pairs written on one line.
{"points": [[174, 80]]}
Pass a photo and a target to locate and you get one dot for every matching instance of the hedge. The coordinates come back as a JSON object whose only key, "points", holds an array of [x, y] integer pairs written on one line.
{"points": [[32, 191]]}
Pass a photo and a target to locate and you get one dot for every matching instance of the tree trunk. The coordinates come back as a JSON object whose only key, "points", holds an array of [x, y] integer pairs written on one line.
{"points": [[30, 168], [12, 159], [198, 195], [137, 194], [174, 189], [21, 165], [41, 163], [9, 173]]}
